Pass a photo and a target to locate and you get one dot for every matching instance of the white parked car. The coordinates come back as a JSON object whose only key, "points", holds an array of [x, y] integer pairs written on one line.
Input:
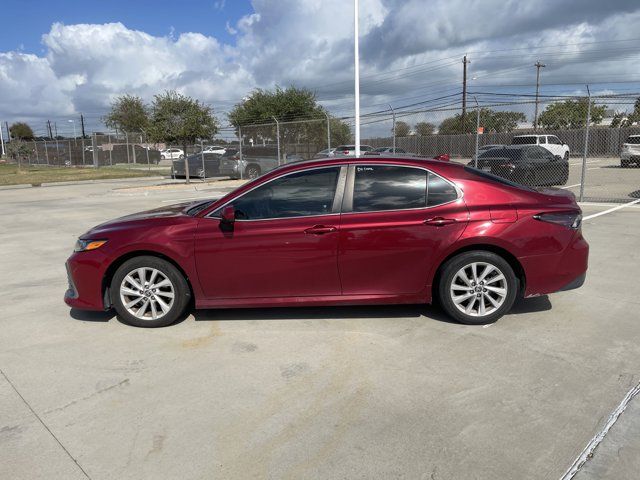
{"points": [[630, 151], [350, 150], [214, 149], [550, 142], [171, 153]]}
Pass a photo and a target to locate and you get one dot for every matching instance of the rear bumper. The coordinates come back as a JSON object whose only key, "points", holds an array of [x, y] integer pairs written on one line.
{"points": [[557, 272]]}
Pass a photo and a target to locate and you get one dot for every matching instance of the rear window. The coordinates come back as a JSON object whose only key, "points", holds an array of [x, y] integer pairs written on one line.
{"points": [[510, 153], [524, 141], [379, 188], [633, 140]]}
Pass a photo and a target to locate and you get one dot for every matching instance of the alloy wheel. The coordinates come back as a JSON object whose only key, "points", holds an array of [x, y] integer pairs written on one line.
{"points": [[147, 293], [478, 289]]}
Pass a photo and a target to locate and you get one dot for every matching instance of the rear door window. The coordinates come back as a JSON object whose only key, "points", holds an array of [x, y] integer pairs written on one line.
{"points": [[523, 141], [382, 187]]}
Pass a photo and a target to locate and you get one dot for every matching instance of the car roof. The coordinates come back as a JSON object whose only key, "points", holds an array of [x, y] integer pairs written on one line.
{"points": [[515, 147]]}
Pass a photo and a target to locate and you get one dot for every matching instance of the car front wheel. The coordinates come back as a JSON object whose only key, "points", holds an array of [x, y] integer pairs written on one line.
{"points": [[148, 291], [477, 287]]}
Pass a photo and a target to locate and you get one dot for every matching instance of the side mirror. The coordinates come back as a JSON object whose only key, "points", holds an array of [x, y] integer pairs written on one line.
{"points": [[227, 218]]}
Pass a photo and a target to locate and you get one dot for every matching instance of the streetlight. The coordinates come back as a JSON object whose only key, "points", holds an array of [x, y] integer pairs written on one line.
{"points": [[357, 75], [75, 137]]}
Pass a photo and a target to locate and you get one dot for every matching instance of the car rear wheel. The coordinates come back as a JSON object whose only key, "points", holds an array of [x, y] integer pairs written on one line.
{"points": [[252, 172], [149, 292], [477, 287], [624, 163]]}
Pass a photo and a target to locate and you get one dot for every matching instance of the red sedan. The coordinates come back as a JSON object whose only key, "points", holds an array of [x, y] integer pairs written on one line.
{"points": [[338, 232]]}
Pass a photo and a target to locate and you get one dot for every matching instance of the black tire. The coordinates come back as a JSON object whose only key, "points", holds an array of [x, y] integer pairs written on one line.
{"points": [[455, 264], [180, 157], [181, 291], [252, 171], [624, 163]]}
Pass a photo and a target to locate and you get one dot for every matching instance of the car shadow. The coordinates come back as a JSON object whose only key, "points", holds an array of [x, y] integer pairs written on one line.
{"points": [[531, 305], [89, 316]]}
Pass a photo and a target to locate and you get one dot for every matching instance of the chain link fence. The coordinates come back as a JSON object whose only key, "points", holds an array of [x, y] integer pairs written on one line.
{"points": [[587, 145]]}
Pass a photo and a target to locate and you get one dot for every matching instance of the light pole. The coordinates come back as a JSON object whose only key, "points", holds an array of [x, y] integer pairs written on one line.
{"points": [[393, 112], [357, 75], [277, 137], [75, 137], [538, 66]]}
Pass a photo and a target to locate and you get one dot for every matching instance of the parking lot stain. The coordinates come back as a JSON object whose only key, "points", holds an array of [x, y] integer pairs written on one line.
{"points": [[204, 340], [87, 397], [293, 369], [244, 347]]}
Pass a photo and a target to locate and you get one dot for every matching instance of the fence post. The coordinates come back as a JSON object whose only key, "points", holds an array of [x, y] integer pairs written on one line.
{"points": [[70, 161], [204, 172], [393, 128], [475, 164], [110, 150], [586, 145], [94, 144], [83, 147], [277, 137], [146, 149], [326, 114], [35, 146], [126, 139], [46, 152], [240, 151]]}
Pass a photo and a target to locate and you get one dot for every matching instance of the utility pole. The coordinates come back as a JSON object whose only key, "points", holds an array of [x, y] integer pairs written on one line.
{"points": [[82, 124], [6, 125], [49, 127], [464, 89], [538, 66]]}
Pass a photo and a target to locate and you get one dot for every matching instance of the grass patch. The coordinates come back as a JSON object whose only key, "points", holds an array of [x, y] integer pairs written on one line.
{"points": [[10, 174]]}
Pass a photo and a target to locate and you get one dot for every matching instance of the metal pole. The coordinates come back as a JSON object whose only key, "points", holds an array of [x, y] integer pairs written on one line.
{"points": [[94, 143], [277, 137], [147, 149], [70, 161], [477, 130], [394, 127], [83, 147], [2, 140], [538, 65], [57, 149], [126, 138], [240, 152], [35, 146], [204, 172], [110, 151], [465, 62], [586, 145], [328, 131], [356, 56], [46, 152]]}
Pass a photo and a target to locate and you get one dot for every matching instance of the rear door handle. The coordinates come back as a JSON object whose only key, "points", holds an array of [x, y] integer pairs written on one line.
{"points": [[439, 221], [320, 230]]}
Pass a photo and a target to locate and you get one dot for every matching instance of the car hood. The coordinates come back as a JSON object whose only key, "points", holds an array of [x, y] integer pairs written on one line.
{"points": [[147, 218]]}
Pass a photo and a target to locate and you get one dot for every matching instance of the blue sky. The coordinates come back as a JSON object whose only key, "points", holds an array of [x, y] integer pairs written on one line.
{"points": [[29, 19], [59, 59]]}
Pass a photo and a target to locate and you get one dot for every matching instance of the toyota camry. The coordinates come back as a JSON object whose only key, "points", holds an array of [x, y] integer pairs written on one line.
{"points": [[338, 231]]}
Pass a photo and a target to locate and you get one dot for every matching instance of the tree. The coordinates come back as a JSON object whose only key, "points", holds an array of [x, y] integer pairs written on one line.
{"points": [[180, 119], [492, 121], [402, 129], [570, 114], [425, 128], [21, 131], [128, 114], [255, 117], [623, 119]]}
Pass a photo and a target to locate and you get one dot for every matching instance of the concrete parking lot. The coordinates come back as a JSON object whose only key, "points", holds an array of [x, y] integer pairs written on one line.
{"points": [[358, 392]]}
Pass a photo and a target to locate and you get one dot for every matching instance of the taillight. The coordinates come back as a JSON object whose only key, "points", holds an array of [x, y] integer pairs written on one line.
{"points": [[235, 157], [346, 152], [565, 219]]}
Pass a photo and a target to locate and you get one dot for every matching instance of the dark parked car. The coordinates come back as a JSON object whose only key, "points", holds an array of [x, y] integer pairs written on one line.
{"points": [[526, 164], [341, 231], [254, 162], [197, 168]]}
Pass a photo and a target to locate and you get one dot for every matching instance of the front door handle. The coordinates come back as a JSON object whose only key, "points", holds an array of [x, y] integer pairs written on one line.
{"points": [[320, 230], [439, 221]]}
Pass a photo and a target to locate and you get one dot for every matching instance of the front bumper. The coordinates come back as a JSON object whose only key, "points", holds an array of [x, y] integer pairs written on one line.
{"points": [[85, 271]]}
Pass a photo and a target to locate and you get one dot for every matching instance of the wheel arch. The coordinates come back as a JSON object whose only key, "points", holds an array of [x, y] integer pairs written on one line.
{"points": [[111, 270], [504, 253]]}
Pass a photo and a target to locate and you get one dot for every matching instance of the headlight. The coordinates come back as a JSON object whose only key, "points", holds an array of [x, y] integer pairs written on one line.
{"points": [[87, 245]]}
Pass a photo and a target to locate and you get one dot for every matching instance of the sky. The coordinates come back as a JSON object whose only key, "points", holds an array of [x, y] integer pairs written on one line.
{"points": [[60, 60]]}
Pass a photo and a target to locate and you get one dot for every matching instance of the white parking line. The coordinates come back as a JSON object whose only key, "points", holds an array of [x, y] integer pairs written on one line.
{"points": [[571, 186], [587, 453], [588, 162], [588, 217]]}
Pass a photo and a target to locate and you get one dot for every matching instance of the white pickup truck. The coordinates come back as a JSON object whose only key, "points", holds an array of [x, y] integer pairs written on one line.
{"points": [[630, 151], [550, 142]]}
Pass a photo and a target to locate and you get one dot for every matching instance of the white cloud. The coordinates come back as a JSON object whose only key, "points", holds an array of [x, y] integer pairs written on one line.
{"points": [[309, 43]]}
